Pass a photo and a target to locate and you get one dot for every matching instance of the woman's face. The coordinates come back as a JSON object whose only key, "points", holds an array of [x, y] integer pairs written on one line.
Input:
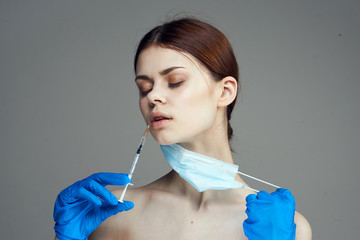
{"points": [[178, 98]]}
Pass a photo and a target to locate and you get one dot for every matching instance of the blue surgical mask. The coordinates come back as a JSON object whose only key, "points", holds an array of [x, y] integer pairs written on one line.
{"points": [[202, 172]]}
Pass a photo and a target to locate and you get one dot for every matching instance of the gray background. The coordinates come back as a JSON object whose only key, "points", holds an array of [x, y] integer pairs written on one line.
{"points": [[68, 101]]}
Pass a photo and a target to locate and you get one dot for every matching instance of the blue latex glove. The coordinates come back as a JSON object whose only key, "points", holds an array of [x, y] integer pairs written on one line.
{"points": [[79, 210], [270, 216]]}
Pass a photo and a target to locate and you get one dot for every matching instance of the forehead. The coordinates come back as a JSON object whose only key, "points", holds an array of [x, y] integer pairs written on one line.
{"points": [[155, 59]]}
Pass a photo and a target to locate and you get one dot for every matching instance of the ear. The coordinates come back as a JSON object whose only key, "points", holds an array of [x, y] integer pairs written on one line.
{"points": [[227, 91]]}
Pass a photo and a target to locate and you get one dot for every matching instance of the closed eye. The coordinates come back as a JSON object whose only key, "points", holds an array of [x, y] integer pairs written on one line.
{"points": [[174, 85], [144, 93], [144, 86]]}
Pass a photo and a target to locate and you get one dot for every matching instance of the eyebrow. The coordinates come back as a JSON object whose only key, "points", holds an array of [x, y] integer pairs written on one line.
{"points": [[162, 73]]}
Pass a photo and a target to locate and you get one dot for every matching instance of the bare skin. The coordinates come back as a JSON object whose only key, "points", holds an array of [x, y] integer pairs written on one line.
{"points": [[163, 211], [170, 208]]}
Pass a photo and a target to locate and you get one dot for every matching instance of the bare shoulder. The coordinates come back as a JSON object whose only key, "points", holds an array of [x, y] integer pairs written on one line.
{"points": [[119, 224], [303, 228]]}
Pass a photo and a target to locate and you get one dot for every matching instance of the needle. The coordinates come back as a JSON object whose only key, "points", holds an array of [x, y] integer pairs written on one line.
{"points": [[136, 158]]}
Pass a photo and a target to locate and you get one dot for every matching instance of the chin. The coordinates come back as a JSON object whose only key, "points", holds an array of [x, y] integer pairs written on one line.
{"points": [[170, 136], [163, 140]]}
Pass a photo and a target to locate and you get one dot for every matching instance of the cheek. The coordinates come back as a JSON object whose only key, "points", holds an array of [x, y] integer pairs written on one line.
{"points": [[197, 105], [143, 109]]}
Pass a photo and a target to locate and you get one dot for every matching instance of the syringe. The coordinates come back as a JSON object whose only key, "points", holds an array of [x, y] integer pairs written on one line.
{"points": [[136, 158]]}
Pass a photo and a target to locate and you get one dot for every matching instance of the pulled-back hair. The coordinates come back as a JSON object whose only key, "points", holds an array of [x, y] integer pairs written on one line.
{"points": [[201, 40]]}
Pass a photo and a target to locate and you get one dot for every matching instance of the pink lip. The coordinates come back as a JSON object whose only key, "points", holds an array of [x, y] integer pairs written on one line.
{"points": [[159, 119]]}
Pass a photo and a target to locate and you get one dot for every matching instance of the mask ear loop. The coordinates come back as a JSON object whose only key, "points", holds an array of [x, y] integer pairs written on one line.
{"points": [[257, 179]]}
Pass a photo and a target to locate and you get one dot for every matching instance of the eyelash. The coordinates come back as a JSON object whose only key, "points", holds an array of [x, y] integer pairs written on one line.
{"points": [[144, 93], [171, 85], [174, 85]]}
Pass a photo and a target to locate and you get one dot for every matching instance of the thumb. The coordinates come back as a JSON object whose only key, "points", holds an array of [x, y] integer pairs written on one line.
{"points": [[108, 211]]}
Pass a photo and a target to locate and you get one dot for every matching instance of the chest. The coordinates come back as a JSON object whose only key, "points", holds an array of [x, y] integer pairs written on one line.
{"points": [[179, 224]]}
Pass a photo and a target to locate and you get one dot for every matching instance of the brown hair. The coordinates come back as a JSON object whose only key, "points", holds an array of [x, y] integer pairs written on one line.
{"points": [[203, 41]]}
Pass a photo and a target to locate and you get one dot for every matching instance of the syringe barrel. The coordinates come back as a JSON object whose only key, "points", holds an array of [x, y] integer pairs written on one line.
{"points": [[132, 169]]}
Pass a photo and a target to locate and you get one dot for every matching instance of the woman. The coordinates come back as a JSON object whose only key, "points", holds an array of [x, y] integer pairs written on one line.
{"points": [[187, 77]]}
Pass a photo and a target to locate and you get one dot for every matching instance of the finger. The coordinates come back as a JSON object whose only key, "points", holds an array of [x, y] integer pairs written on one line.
{"points": [[252, 215], [106, 178], [248, 229], [285, 195], [250, 198], [112, 210], [126, 205], [263, 195], [100, 191], [83, 193], [284, 191]]}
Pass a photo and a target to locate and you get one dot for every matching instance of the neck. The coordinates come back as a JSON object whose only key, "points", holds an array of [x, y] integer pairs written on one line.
{"points": [[213, 143], [199, 200]]}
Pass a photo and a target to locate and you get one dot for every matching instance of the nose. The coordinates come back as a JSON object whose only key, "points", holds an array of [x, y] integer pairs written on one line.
{"points": [[156, 96]]}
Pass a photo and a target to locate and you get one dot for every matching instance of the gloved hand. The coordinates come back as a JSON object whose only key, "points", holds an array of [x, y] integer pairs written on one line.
{"points": [[270, 216], [80, 208]]}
